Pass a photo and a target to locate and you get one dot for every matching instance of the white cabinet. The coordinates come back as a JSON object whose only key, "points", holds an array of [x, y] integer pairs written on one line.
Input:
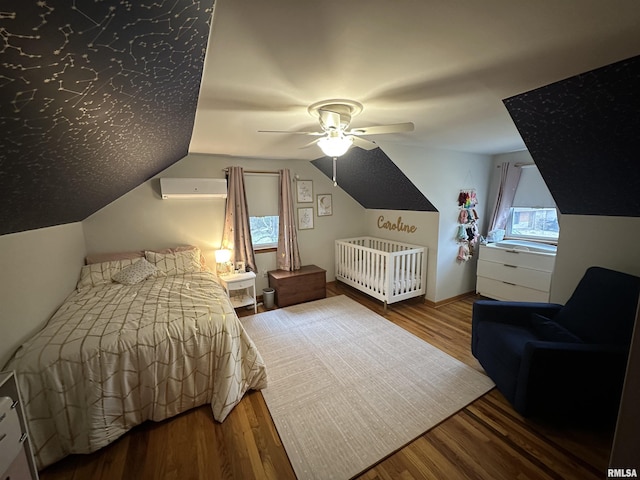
{"points": [[513, 273], [16, 459], [241, 288]]}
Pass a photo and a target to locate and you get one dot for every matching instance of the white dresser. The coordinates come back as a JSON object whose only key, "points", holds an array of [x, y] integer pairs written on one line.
{"points": [[16, 459], [513, 272]]}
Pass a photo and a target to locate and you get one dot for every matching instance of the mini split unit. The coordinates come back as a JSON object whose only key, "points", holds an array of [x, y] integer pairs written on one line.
{"points": [[193, 188]]}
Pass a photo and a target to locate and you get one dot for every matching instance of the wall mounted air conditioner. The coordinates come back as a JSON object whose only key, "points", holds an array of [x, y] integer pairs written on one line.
{"points": [[193, 188]]}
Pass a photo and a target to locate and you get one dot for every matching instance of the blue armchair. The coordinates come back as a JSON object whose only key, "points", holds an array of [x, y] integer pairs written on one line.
{"points": [[566, 361]]}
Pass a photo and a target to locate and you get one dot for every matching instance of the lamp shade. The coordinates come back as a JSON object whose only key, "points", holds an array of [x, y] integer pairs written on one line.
{"points": [[223, 255], [335, 146]]}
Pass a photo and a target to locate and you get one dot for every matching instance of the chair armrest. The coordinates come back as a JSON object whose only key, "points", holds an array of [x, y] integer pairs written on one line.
{"points": [[571, 379], [514, 313]]}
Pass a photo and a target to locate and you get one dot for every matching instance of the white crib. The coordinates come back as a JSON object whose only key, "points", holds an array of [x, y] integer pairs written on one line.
{"points": [[384, 269]]}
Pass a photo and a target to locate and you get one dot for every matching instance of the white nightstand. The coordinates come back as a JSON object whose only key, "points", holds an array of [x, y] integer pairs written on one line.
{"points": [[246, 281]]}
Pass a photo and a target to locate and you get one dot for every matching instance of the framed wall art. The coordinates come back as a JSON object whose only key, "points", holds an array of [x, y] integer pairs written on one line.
{"points": [[305, 191], [325, 204], [305, 218]]}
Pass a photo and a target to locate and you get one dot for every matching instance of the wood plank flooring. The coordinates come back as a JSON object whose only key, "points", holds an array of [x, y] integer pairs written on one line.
{"points": [[485, 440]]}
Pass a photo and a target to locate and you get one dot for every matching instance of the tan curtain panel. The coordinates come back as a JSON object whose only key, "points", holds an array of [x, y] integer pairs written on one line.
{"points": [[288, 255], [509, 178], [237, 231]]}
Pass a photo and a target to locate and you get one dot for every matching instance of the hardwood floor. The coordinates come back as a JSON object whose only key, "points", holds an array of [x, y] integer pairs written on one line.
{"points": [[485, 440]]}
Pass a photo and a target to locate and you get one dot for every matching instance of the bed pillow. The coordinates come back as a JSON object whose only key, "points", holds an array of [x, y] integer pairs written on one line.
{"points": [[552, 331], [136, 273], [183, 248], [111, 257], [101, 273], [176, 262]]}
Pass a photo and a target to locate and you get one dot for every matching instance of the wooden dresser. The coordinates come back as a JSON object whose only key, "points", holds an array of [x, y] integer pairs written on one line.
{"points": [[308, 283]]}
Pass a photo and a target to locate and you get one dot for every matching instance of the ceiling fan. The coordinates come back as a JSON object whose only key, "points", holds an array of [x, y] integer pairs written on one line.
{"points": [[336, 137]]}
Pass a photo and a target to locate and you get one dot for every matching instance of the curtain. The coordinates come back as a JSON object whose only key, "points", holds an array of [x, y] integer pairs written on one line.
{"points": [[288, 255], [509, 178], [236, 235]]}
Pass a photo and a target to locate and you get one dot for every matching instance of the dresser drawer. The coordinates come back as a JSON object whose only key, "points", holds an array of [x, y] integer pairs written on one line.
{"points": [[500, 290], [10, 433], [526, 277], [241, 284], [537, 261], [19, 467]]}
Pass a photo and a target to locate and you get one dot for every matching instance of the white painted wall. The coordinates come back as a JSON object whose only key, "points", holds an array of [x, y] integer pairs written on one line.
{"points": [[141, 219], [440, 175], [38, 269], [589, 240]]}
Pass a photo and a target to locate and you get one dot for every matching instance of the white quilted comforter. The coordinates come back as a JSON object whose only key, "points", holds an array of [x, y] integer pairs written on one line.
{"points": [[114, 356]]}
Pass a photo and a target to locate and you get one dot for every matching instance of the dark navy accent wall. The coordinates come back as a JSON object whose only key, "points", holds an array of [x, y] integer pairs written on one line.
{"points": [[583, 133], [374, 181], [95, 98]]}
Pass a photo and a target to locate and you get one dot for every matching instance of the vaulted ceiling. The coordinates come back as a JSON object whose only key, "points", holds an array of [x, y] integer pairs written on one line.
{"points": [[583, 135], [97, 97], [446, 66]]}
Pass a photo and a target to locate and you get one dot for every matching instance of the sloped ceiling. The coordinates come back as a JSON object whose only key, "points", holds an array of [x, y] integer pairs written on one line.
{"points": [[97, 97], [384, 186], [445, 66], [583, 134]]}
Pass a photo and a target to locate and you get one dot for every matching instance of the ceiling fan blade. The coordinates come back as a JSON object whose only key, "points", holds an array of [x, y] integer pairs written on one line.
{"points": [[292, 132], [363, 143], [379, 129], [310, 144], [329, 120]]}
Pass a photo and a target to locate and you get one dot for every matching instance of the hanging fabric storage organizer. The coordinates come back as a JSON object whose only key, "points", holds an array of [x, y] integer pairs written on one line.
{"points": [[467, 234]]}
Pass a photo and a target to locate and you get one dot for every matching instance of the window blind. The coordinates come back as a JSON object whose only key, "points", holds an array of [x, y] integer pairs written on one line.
{"points": [[262, 194], [532, 191]]}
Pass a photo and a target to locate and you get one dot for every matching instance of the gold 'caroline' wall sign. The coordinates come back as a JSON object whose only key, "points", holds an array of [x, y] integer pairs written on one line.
{"points": [[398, 225]]}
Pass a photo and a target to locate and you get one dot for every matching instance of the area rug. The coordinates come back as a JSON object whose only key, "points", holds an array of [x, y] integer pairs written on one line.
{"points": [[346, 387]]}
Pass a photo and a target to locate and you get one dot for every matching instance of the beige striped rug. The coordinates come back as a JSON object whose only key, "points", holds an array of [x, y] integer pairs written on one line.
{"points": [[348, 388]]}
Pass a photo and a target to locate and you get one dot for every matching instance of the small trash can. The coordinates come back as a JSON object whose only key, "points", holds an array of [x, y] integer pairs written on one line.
{"points": [[267, 297]]}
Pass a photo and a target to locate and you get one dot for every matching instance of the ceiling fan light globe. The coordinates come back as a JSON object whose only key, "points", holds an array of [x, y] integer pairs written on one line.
{"points": [[335, 146]]}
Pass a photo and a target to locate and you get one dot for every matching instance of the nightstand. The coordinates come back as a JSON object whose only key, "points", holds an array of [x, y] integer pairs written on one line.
{"points": [[245, 281]]}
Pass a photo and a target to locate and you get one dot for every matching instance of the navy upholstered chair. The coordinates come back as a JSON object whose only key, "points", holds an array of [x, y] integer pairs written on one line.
{"points": [[561, 361]]}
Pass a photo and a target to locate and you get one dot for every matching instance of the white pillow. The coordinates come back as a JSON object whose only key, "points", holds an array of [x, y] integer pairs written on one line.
{"points": [[100, 273], [176, 263], [136, 273]]}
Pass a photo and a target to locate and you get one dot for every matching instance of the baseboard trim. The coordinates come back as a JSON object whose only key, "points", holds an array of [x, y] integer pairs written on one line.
{"points": [[447, 301]]}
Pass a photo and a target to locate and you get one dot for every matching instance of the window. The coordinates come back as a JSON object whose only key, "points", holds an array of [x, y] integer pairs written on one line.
{"points": [[533, 215], [533, 223], [262, 202], [264, 231]]}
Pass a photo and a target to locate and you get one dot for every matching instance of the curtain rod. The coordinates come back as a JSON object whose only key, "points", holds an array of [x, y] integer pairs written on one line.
{"points": [[520, 165], [255, 172]]}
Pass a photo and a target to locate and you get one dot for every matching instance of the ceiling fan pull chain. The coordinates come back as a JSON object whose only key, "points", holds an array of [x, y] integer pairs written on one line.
{"points": [[335, 182]]}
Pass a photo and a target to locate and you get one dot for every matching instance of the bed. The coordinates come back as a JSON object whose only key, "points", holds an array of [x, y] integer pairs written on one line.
{"points": [[141, 338], [384, 269]]}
